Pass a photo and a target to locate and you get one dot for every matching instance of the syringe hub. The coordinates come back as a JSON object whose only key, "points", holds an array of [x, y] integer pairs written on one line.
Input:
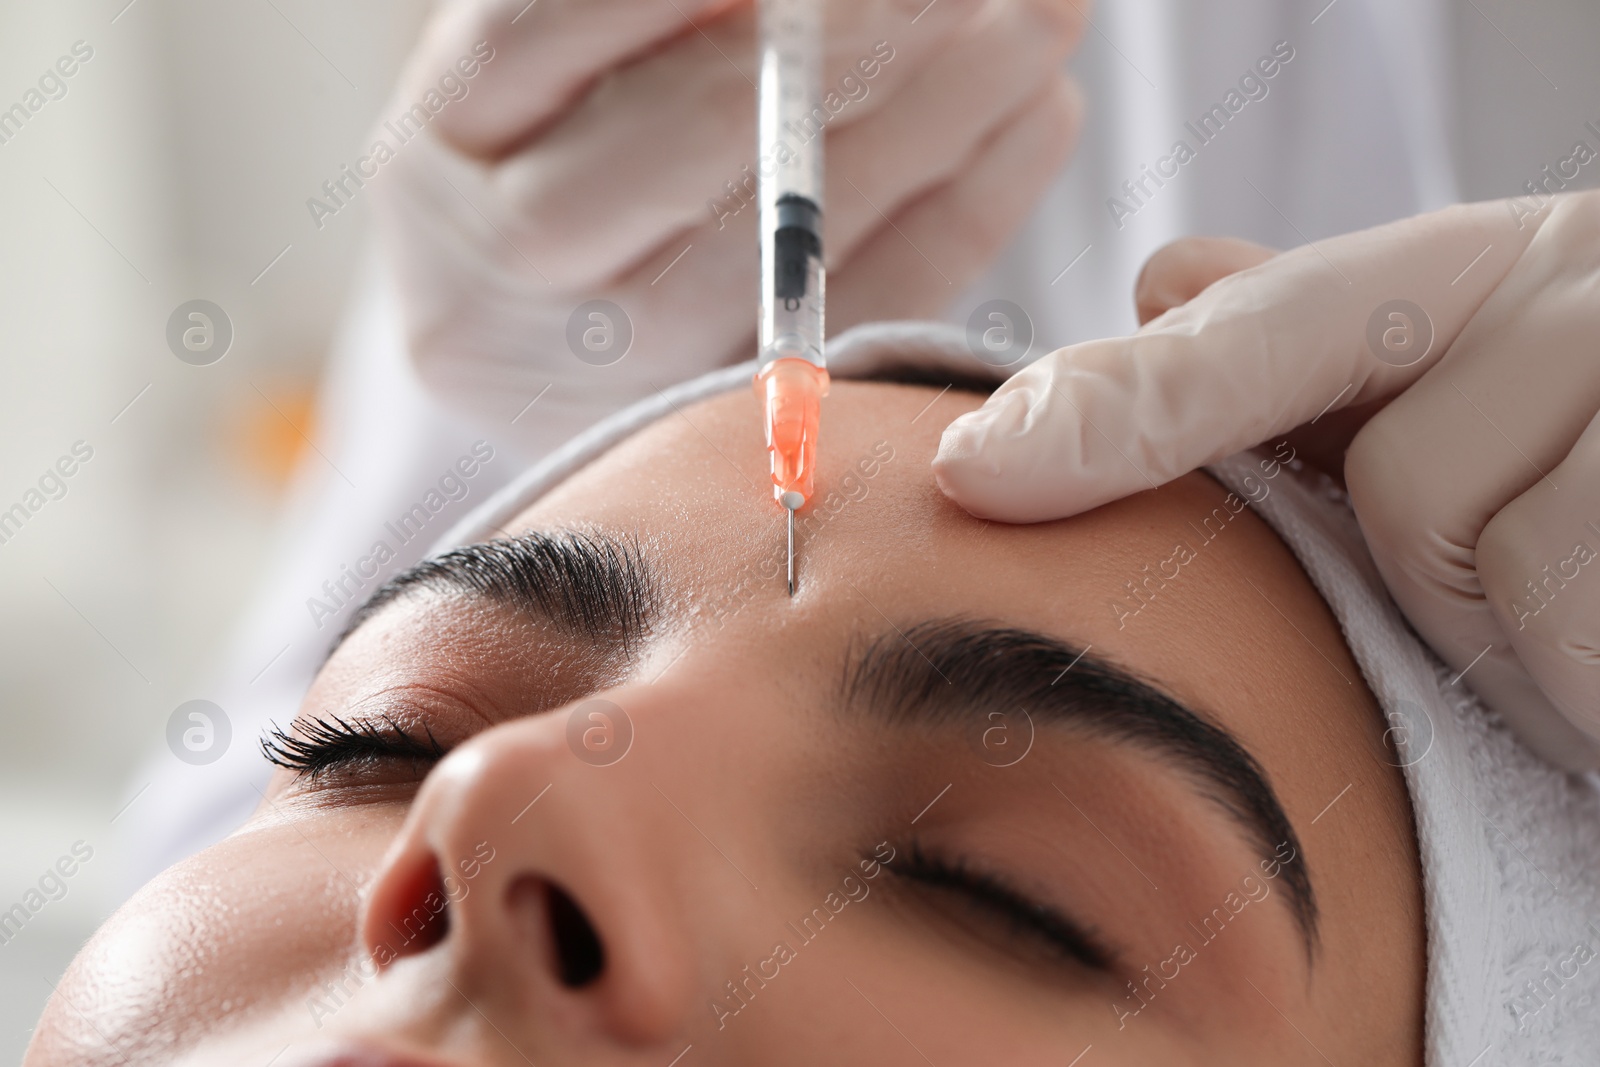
{"points": [[791, 392]]}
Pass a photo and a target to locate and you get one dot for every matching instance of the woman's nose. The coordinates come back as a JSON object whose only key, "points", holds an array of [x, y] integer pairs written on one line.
{"points": [[550, 888]]}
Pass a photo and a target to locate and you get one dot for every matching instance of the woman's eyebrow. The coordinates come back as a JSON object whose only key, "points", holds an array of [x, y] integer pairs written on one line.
{"points": [[587, 584], [954, 672]]}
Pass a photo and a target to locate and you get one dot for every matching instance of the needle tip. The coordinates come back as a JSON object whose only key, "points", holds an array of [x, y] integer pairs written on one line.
{"points": [[791, 552]]}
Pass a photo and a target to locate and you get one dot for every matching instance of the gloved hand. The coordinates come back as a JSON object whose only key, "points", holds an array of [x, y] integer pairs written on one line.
{"points": [[605, 151], [1465, 420]]}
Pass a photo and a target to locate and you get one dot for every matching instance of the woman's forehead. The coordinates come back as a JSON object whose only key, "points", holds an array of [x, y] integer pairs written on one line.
{"points": [[1183, 584], [692, 489], [711, 456]]}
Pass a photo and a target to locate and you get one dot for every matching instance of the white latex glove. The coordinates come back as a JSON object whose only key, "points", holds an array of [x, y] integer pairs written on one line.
{"points": [[1474, 471], [601, 154]]}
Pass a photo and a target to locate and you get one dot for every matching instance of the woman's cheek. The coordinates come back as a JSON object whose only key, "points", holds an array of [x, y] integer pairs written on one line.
{"points": [[245, 927]]}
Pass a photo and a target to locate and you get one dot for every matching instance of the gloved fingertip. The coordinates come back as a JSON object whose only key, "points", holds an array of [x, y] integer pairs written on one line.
{"points": [[959, 444], [975, 464], [978, 439]]}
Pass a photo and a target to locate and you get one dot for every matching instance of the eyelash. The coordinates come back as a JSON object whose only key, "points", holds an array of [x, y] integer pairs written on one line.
{"points": [[989, 894], [324, 745]]}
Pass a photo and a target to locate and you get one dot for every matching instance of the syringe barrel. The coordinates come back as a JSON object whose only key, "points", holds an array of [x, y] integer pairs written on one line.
{"points": [[793, 279], [794, 285]]}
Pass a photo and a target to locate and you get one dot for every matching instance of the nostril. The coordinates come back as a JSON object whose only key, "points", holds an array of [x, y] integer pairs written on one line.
{"points": [[419, 913], [579, 955]]}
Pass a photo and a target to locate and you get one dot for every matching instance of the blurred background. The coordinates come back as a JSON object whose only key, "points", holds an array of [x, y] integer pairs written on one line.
{"points": [[176, 167]]}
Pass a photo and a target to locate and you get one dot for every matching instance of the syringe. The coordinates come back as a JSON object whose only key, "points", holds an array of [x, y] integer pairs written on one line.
{"points": [[793, 375]]}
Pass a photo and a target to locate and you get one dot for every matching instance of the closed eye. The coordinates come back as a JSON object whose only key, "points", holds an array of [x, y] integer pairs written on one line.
{"points": [[994, 899], [322, 746]]}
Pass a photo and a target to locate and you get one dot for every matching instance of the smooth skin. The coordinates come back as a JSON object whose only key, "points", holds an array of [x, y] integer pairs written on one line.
{"points": [[749, 794]]}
